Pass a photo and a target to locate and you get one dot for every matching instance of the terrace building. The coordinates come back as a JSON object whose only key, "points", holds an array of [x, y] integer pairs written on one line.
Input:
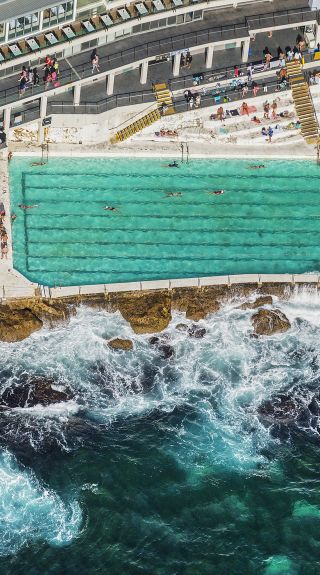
{"points": [[129, 37]]}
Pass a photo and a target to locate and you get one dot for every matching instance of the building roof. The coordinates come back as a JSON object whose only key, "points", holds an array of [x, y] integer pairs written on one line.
{"points": [[10, 9]]}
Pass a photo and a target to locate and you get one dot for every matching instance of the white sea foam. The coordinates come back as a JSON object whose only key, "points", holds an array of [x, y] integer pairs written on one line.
{"points": [[30, 512], [222, 378]]}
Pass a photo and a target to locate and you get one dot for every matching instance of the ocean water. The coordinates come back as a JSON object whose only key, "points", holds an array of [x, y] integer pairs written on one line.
{"points": [[164, 466], [267, 221]]}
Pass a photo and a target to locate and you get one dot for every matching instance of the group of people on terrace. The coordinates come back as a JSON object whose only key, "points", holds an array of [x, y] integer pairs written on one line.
{"points": [[30, 76]]}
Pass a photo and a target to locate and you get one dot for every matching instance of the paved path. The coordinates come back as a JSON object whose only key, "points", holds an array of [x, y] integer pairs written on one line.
{"points": [[12, 283]]}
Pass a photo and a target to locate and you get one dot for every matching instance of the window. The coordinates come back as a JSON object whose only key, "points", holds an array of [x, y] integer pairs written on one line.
{"points": [[57, 14], [24, 25], [90, 12], [2, 31], [91, 44]]}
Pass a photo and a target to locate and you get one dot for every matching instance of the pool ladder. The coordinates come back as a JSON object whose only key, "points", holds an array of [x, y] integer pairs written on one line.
{"points": [[184, 146]]}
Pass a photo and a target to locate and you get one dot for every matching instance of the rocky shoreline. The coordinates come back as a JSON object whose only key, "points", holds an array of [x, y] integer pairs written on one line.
{"points": [[148, 311]]}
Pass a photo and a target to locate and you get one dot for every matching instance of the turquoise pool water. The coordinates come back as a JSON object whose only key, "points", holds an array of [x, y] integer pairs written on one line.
{"points": [[267, 221]]}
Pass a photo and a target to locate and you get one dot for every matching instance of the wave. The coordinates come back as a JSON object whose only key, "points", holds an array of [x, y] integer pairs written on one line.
{"points": [[217, 382], [30, 512]]}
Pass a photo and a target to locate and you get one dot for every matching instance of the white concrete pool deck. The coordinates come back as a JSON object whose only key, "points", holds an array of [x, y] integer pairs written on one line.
{"points": [[12, 283], [205, 138]]}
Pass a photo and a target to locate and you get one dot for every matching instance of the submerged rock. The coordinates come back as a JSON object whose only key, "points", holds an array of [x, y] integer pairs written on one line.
{"points": [[166, 351], [269, 322], [120, 344], [35, 391], [259, 302], [154, 340], [182, 327], [282, 408], [16, 325], [291, 411], [197, 332]]}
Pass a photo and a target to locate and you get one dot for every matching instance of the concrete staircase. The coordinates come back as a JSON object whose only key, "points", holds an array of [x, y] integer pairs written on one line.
{"points": [[164, 98], [303, 103], [136, 126]]}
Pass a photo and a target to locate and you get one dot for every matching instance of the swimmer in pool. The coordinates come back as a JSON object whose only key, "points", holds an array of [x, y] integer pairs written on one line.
{"points": [[173, 194], [24, 207], [110, 209], [216, 193], [174, 164], [256, 167]]}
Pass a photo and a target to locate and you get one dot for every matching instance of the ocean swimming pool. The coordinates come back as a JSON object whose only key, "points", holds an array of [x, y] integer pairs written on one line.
{"points": [[267, 221]]}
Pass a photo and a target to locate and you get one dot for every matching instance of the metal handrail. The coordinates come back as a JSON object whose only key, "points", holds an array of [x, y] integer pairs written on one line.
{"points": [[299, 12], [140, 52]]}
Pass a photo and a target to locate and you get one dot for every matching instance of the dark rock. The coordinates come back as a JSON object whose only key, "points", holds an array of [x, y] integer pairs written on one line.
{"points": [[314, 406], [120, 344], [280, 408], [181, 327], [269, 322], [36, 391], [166, 351], [154, 340], [197, 332]]}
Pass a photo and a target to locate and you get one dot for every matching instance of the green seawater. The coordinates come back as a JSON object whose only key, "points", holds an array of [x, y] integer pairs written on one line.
{"points": [[267, 221]]}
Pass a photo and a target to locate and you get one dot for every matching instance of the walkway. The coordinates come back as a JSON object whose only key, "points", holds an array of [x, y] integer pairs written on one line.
{"points": [[130, 49], [12, 283]]}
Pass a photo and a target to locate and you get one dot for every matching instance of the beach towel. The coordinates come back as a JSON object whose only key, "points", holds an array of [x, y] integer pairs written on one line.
{"points": [[234, 113], [251, 109]]}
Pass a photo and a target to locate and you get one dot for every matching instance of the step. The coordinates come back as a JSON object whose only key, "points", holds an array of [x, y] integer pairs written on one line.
{"points": [[305, 110], [297, 80], [307, 125], [308, 121], [165, 97], [305, 118], [299, 92], [309, 132], [292, 65], [302, 98], [162, 93], [157, 87]]}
